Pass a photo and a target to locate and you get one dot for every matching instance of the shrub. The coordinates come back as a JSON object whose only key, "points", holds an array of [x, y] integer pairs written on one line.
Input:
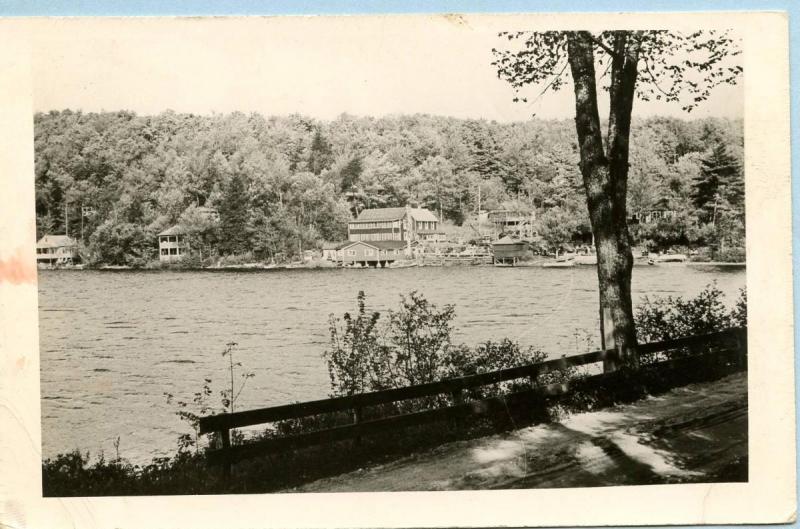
{"points": [[670, 317], [413, 345]]}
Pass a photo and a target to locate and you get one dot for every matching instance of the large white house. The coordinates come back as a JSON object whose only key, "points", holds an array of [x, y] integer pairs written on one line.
{"points": [[54, 250], [395, 224]]}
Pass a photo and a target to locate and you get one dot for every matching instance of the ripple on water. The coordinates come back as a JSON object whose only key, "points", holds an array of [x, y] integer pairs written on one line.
{"points": [[183, 320]]}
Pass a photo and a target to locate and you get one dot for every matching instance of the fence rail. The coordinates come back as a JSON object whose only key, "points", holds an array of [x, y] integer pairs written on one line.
{"points": [[733, 342]]}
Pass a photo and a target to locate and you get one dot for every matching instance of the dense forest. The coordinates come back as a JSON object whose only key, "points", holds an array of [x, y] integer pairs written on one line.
{"points": [[284, 184]]}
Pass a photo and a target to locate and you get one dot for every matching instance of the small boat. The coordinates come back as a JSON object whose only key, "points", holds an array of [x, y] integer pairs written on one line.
{"points": [[588, 259], [560, 263], [671, 258], [402, 264]]}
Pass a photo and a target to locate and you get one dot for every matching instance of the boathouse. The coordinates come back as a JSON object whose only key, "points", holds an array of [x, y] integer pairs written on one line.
{"points": [[372, 253], [173, 244], [509, 251], [395, 224], [55, 250]]}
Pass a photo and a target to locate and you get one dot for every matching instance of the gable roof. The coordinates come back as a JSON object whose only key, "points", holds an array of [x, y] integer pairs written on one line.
{"points": [[381, 214], [378, 245], [353, 243], [174, 230], [423, 215], [56, 241], [387, 214]]}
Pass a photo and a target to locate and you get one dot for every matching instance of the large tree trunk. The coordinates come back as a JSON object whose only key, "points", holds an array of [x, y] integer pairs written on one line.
{"points": [[605, 180]]}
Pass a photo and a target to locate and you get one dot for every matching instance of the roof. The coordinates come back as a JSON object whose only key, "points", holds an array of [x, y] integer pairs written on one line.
{"points": [[387, 214], [423, 215], [56, 241], [389, 245], [381, 214], [174, 230], [334, 245], [507, 241], [378, 245]]}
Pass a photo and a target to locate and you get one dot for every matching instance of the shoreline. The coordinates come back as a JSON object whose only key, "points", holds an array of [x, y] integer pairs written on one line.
{"points": [[268, 268]]}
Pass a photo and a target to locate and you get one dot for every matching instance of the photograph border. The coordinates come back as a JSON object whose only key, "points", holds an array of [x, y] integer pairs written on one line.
{"points": [[768, 497]]}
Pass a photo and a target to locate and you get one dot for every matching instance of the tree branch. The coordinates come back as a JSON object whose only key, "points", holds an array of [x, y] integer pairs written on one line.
{"points": [[603, 45], [653, 78]]}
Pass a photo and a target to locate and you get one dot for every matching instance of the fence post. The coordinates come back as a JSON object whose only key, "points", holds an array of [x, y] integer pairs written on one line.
{"points": [[741, 348], [458, 399], [225, 435], [356, 420], [607, 339]]}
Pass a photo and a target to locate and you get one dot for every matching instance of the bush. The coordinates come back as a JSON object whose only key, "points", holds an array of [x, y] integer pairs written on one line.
{"points": [[731, 255], [413, 345], [659, 319]]}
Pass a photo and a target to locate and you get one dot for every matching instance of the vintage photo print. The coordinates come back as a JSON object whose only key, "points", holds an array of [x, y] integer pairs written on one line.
{"points": [[397, 271]]}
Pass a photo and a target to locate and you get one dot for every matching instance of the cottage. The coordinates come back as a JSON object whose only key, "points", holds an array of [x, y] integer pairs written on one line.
{"points": [[517, 223], [509, 251], [372, 253], [55, 250], [331, 251], [173, 244], [395, 224]]}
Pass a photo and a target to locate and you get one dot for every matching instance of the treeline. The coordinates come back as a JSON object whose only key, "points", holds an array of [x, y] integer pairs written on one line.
{"points": [[284, 184]]}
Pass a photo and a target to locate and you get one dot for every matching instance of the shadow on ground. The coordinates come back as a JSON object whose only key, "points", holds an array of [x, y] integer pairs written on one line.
{"points": [[696, 433]]}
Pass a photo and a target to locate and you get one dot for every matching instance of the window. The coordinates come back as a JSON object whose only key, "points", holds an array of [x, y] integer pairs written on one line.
{"points": [[369, 252], [173, 251], [164, 251], [351, 253]]}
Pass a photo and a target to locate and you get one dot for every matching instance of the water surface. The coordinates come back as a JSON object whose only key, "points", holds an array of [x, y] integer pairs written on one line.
{"points": [[112, 343]]}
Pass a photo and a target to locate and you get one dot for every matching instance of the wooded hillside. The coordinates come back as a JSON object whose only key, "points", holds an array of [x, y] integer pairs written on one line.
{"points": [[282, 184]]}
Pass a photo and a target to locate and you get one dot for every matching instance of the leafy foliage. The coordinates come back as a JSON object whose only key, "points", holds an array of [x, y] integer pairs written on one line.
{"points": [[412, 345], [670, 317], [675, 66], [142, 174]]}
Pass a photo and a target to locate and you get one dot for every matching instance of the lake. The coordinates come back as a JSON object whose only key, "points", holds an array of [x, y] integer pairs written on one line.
{"points": [[113, 343]]}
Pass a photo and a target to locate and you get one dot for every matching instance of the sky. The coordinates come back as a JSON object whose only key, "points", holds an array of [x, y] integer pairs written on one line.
{"points": [[319, 67]]}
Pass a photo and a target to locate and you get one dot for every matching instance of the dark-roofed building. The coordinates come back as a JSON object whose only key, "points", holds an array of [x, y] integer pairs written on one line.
{"points": [[372, 253], [394, 224], [172, 244], [509, 251], [53, 250]]}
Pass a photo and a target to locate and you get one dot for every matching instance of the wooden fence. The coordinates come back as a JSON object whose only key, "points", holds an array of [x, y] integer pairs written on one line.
{"points": [[729, 347]]}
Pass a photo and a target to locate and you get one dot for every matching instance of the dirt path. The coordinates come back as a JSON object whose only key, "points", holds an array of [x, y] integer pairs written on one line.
{"points": [[697, 433]]}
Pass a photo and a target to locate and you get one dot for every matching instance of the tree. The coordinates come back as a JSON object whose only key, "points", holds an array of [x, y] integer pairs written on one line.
{"points": [[720, 180], [233, 216], [320, 155], [674, 67]]}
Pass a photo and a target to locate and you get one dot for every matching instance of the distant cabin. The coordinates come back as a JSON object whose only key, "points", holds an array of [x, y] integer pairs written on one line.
{"points": [[651, 216], [53, 250], [209, 213], [372, 253], [331, 251], [511, 221], [173, 244], [395, 224]]}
